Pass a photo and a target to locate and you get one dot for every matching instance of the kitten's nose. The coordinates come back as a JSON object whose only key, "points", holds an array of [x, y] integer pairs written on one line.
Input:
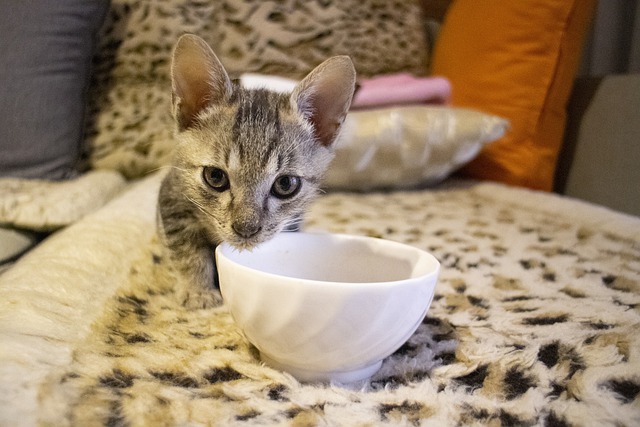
{"points": [[246, 230]]}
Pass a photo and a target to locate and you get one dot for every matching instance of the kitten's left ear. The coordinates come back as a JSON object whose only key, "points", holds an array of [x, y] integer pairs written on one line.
{"points": [[324, 96], [198, 79]]}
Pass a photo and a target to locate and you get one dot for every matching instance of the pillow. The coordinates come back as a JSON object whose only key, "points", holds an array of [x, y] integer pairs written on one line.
{"points": [[39, 205], [290, 38], [517, 60], [402, 147], [46, 48], [131, 129]]}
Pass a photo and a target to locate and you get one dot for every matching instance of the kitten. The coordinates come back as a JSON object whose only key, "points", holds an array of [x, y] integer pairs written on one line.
{"points": [[247, 162]]}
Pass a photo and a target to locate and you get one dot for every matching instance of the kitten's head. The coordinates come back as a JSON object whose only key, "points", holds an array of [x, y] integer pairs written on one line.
{"points": [[252, 160]]}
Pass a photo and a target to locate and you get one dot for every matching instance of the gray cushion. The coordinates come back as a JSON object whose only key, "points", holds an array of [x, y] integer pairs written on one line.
{"points": [[46, 49]]}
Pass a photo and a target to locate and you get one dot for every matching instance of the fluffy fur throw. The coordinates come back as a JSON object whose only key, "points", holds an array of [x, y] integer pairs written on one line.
{"points": [[535, 322]]}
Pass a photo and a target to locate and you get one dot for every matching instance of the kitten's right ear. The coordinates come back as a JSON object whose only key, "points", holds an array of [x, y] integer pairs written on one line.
{"points": [[198, 79]]}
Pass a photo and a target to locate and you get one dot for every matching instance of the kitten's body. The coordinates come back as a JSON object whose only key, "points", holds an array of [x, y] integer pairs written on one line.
{"points": [[247, 163]]}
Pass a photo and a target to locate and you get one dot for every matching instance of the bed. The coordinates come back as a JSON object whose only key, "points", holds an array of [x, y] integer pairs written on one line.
{"points": [[535, 319]]}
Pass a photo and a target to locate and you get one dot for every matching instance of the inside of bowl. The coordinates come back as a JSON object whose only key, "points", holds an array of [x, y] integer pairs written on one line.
{"points": [[333, 258]]}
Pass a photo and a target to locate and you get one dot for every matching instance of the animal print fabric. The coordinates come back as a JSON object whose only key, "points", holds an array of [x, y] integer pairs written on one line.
{"points": [[535, 322], [42, 205], [130, 127]]}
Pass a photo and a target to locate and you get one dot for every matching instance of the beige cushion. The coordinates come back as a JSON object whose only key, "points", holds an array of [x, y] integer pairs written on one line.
{"points": [[46, 205], [408, 146]]}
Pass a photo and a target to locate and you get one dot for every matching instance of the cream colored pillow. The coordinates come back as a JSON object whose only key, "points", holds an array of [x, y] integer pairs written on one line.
{"points": [[42, 205], [404, 147]]}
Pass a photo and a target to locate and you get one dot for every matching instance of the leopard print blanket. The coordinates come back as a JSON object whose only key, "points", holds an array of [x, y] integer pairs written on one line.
{"points": [[535, 322], [130, 127]]}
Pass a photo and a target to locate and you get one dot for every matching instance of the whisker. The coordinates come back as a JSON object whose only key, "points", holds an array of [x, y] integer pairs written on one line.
{"points": [[289, 148], [159, 168], [178, 169], [201, 208], [294, 222]]}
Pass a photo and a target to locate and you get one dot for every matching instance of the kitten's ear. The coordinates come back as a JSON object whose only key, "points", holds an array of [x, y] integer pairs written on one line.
{"points": [[324, 96], [198, 79]]}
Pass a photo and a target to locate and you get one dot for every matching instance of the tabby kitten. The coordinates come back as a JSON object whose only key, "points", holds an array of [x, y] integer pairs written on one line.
{"points": [[247, 162]]}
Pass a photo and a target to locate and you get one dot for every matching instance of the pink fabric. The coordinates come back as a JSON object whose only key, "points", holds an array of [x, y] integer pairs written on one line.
{"points": [[401, 89]]}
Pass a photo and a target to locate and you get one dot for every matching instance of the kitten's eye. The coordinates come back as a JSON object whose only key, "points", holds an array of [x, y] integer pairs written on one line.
{"points": [[216, 178], [286, 186]]}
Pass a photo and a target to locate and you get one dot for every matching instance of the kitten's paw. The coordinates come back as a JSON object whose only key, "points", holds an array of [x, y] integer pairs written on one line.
{"points": [[196, 299]]}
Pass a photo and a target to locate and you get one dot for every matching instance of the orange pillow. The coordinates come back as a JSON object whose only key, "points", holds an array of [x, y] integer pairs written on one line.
{"points": [[515, 59]]}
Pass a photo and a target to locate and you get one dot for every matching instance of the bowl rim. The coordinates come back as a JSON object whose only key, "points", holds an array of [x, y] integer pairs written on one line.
{"points": [[221, 248]]}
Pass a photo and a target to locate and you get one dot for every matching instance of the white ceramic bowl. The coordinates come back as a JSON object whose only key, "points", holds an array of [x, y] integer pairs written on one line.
{"points": [[327, 307]]}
